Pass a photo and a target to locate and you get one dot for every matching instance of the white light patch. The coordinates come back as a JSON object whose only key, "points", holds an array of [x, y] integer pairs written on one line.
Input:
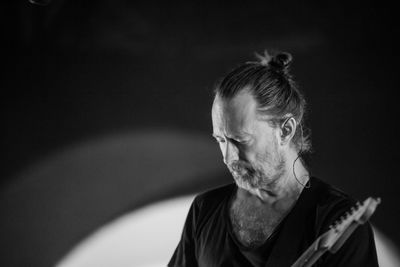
{"points": [[148, 237], [388, 255], [144, 238]]}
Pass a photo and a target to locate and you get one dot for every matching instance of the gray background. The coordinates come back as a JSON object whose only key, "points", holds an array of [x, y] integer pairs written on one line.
{"points": [[106, 106]]}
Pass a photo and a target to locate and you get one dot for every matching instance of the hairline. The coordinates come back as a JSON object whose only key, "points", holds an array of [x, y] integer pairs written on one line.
{"points": [[260, 113]]}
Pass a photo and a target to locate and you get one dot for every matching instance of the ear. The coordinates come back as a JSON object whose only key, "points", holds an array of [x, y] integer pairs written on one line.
{"points": [[288, 128]]}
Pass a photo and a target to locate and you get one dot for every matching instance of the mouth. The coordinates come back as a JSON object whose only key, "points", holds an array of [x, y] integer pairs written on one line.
{"points": [[241, 168], [240, 172]]}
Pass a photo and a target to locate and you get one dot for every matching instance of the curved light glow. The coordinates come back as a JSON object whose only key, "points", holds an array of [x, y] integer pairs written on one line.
{"points": [[144, 238], [148, 237]]}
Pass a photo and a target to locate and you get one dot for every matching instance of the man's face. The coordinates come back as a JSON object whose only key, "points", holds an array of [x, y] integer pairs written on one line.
{"points": [[249, 145]]}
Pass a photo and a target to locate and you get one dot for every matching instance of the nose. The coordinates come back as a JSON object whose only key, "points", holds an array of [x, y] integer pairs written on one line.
{"points": [[230, 153]]}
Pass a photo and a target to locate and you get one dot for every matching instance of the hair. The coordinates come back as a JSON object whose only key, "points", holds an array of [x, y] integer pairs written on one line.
{"points": [[274, 89]]}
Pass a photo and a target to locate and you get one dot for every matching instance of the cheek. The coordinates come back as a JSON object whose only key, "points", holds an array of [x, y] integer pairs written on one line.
{"points": [[262, 148], [266, 151], [254, 154]]}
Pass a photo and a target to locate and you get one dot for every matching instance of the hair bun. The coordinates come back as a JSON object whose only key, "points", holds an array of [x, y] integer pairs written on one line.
{"points": [[282, 59], [279, 61]]}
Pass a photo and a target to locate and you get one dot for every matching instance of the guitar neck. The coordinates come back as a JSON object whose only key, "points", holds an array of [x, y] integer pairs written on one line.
{"points": [[339, 232], [311, 255]]}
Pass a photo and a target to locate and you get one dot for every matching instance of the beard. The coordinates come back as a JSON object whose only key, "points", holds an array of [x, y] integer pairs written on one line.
{"points": [[244, 174], [263, 174]]}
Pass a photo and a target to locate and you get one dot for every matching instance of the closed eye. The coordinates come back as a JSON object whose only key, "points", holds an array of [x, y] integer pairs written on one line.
{"points": [[218, 139], [234, 141], [240, 142]]}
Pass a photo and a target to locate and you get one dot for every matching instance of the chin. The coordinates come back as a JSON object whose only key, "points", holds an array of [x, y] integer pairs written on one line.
{"points": [[246, 183], [257, 182]]}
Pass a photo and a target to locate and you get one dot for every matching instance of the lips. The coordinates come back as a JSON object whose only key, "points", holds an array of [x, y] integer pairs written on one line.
{"points": [[240, 173], [236, 166], [236, 169]]}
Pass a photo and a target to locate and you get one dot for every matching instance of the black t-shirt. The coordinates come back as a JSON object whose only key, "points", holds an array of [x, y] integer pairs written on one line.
{"points": [[208, 240]]}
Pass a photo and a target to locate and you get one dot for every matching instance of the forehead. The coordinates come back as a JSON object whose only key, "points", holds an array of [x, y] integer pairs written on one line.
{"points": [[234, 116]]}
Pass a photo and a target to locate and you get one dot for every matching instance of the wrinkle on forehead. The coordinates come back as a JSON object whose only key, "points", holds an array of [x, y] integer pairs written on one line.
{"points": [[236, 116]]}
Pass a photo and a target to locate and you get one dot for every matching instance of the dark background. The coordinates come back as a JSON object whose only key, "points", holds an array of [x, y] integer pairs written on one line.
{"points": [[74, 71]]}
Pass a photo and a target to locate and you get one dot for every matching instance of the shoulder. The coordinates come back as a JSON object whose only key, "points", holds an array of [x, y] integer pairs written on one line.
{"points": [[328, 195], [359, 249], [331, 203], [209, 206]]}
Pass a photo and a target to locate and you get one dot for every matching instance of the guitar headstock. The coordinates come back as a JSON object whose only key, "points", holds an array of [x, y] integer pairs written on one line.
{"points": [[365, 211], [356, 215]]}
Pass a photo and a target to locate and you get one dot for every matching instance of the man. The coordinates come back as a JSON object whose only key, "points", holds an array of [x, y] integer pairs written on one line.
{"points": [[275, 210]]}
